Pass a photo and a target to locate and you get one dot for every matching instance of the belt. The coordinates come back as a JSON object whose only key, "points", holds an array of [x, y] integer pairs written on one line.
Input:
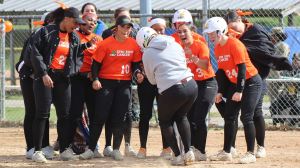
{"points": [[185, 80]]}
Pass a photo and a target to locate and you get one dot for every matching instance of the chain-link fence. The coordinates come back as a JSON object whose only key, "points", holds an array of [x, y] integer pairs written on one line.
{"points": [[281, 104]]}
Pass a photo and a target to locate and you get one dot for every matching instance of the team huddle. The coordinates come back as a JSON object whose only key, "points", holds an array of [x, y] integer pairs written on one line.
{"points": [[75, 62]]}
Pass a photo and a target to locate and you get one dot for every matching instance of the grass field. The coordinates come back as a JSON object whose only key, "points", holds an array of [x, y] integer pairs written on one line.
{"points": [[16, 114]]}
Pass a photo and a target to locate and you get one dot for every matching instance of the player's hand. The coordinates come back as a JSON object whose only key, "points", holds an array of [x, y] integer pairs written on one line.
{"points": [[195, 59], [47, 81], [97, 85], [139, 77], [94, 40], [237, 96], [218, 98]]}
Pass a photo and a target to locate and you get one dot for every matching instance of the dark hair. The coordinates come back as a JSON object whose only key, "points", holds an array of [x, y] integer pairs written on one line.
{"points": [[119, 10], [58, 15], [86, 4], [48, 19], [233, 16]]}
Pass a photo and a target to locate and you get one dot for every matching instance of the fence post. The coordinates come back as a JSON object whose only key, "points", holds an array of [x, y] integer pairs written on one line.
{"points": [[204, 12], [2, 70], [12, 59], [145, 8]]}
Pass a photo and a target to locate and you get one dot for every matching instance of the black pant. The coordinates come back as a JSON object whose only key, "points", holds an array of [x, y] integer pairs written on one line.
{"points": [[112, 101], [247, 105], [26, 83], [127, 130], [207, 90], [147, 93], [173, 106], [258, 118], [60, 95], [81, 92]]}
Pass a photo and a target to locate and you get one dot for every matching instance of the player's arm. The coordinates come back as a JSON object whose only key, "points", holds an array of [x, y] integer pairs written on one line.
{"points": [[241, 77]]}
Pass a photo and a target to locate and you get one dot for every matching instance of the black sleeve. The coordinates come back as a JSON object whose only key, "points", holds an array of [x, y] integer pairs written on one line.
{"points": [[261, 49], [36, 53], [96, 66], [241, 78], [222, 81], [23, 52]]}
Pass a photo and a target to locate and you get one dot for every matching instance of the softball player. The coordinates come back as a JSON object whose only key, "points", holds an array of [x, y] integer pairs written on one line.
{"points": [[197, 55], [81, 90], [26, 81], [243, 91], [262, 54], [55, 55], [165, 65], [129, 151], [147, 92], [114, 62]]}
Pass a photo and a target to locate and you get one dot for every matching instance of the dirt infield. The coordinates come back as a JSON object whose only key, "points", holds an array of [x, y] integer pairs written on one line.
{"points": [[282, 150]]}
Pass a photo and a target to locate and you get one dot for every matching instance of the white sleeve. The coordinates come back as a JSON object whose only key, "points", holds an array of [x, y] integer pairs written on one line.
{"points": [[149, 69]]}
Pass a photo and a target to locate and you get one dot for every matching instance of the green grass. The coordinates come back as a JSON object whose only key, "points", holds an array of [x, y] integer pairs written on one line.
{"points": [[14, 97], [16, 114]]}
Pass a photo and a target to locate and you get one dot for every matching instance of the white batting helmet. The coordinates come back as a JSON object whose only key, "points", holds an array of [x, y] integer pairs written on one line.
{"points": [[215, 24], [144, 36], [182, 15]]}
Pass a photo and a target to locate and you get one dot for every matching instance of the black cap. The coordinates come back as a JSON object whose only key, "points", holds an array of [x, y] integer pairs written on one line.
{"points": [[123, 20], [74, 13]]}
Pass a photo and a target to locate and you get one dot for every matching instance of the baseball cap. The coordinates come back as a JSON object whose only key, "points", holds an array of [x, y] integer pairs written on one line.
{"points": [[123, 20], [74, 13]]}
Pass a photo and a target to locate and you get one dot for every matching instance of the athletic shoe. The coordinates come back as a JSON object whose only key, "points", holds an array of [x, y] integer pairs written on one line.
{"points": [[97, 154], [221, 156], [177, 161], [107, 151], [129, 150], [199, 156], [261, 152], [29, 153], [88, 154], [116, 155], [68, 154], [142, 153], [189, 157], [39, 157], [234, 152], [248, 158], [166, 153], [48, 152]]}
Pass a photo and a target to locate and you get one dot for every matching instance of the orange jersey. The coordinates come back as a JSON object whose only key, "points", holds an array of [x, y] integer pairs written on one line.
{"points": [[196, 37], [62, 52], [200, 50], [229, 55], [116, 58], [87, 53]]}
